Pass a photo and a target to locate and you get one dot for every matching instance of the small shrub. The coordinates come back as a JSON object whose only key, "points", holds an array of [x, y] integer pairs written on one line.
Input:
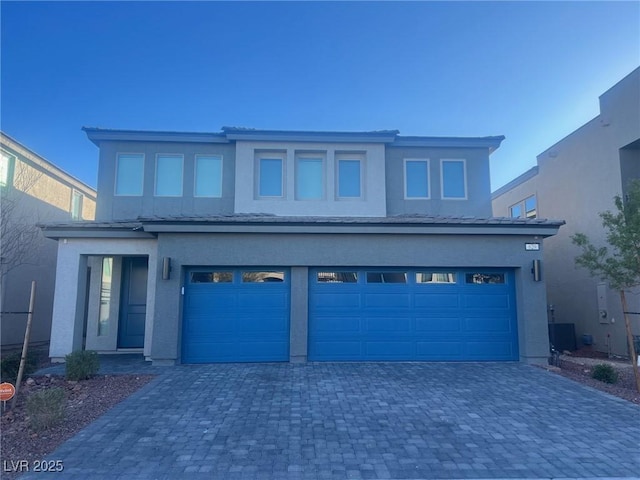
{"points": [[605, 373], [10, 365], [81, 364], [46, 408]]}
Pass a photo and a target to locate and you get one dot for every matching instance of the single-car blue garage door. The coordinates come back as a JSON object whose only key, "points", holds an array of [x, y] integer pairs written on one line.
{"points": [[412, 314], [236, 315]]}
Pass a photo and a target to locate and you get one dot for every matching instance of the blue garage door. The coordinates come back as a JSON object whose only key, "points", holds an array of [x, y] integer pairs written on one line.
{"points": [[412, 314], [236, 315]]}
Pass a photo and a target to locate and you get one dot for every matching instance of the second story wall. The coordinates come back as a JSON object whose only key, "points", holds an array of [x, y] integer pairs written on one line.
{"points": [[318, 179], [151, 179], [438, 181]]}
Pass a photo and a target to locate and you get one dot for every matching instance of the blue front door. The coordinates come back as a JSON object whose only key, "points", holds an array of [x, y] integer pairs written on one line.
{"points": [[236, 315], [401, 314], [133, 302]]}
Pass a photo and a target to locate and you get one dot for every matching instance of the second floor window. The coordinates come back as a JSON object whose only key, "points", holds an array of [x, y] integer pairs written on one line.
{"points": [[76, 205], [416, 178], [349, 178], [526, 208], [454, 182], [270, 182], [169, 175], [208, 177], [309, 178], [129, 174]]}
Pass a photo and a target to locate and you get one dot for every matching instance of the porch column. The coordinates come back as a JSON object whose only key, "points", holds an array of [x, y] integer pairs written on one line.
{"points": [[68, 304]]}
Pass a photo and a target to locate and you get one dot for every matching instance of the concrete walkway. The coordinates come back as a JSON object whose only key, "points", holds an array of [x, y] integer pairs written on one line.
{"points": [[341, 420]]}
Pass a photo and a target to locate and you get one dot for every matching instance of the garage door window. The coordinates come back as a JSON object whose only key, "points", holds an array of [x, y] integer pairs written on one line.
{"points": [[386, 277], [484, 278], [211, 277], [337, 277], [262, 277], [435, 277]]}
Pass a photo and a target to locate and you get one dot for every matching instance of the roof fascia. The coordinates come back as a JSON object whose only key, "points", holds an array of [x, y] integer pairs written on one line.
{"points": [[300, 136], [70, 232], [97, 135], [492, 143]]}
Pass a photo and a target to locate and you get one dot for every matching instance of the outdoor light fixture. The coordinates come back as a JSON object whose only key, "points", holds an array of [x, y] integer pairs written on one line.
{"points": [[166, 268], [536, 270]]}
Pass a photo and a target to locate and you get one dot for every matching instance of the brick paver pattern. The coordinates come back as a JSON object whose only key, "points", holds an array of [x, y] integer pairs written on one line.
{"points": [[360, 421]]}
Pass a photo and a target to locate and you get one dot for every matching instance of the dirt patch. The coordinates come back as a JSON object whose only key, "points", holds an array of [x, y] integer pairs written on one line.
{"points": [[85, 401]]}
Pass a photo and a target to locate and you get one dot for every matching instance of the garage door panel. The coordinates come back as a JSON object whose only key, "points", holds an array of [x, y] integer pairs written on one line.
{"points": [[334, 301], [487, 324], [388, 325], [390, 350], [235, 320], [438, 324], [480, 300], [439, 300], [439, 350], [455, 315], [387, 300]]}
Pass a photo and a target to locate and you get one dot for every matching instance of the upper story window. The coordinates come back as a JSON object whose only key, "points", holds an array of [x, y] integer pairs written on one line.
{"points": [[349, 175], [416, 178], [454, 181], [129, 174], [526, 208], [76, 205], [169, 175], [6, 167], [270, 174], [310, 177], [208, 176]]}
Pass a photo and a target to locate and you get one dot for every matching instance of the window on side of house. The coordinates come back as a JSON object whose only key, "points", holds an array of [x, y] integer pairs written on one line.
{"points": [[349, 176], [208, 176], [76, 205], [309, 177], [270, 175], [453, 179], [530, 207], [515, 211], [416, 178], [129, 174], [169, 175], [7, 162]]}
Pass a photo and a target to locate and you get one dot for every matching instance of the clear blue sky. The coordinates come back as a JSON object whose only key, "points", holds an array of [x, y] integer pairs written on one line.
{"points": [[530, 71]]}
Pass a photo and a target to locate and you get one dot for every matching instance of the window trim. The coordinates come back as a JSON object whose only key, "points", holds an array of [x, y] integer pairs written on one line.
{"points": [[115, 181], [79, 194], [349, 156], [155, 182], [270, 155], [310, 155], [522, 205], [464, 173], [11, 164], [195, 174], [406, 193]]}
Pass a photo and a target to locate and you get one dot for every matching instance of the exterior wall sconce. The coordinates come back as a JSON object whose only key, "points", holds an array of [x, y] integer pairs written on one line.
{"points": [[166, 268], [536, 270]]}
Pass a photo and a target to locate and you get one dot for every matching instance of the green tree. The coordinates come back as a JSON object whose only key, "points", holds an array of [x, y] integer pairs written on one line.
{"points": [[620, 264]]}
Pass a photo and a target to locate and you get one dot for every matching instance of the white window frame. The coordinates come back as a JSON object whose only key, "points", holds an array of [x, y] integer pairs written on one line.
{"points": [[75, 193], [115, 181], [270, 155], [155, 180], [310, 155], [360, 157], [464, 171], [523, 208], [428, 179], [195, 174]]}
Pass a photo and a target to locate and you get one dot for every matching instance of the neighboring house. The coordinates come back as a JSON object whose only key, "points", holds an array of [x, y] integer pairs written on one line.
{"points": [[33, 190], [259, 245], [576, 179]]}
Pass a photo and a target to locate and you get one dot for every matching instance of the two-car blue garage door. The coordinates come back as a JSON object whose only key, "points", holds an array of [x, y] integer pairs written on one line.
{"points": [[355, 314], [412, 314]]}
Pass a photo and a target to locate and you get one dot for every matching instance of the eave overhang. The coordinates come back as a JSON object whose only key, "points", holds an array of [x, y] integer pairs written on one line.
{"points": [[97, 135]]}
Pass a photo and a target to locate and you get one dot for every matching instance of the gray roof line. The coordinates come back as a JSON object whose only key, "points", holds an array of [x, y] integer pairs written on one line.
{"points": [[520, 179]]}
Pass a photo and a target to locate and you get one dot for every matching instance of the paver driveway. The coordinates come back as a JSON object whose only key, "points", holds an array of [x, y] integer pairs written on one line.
{"points": [[317, 421]]}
